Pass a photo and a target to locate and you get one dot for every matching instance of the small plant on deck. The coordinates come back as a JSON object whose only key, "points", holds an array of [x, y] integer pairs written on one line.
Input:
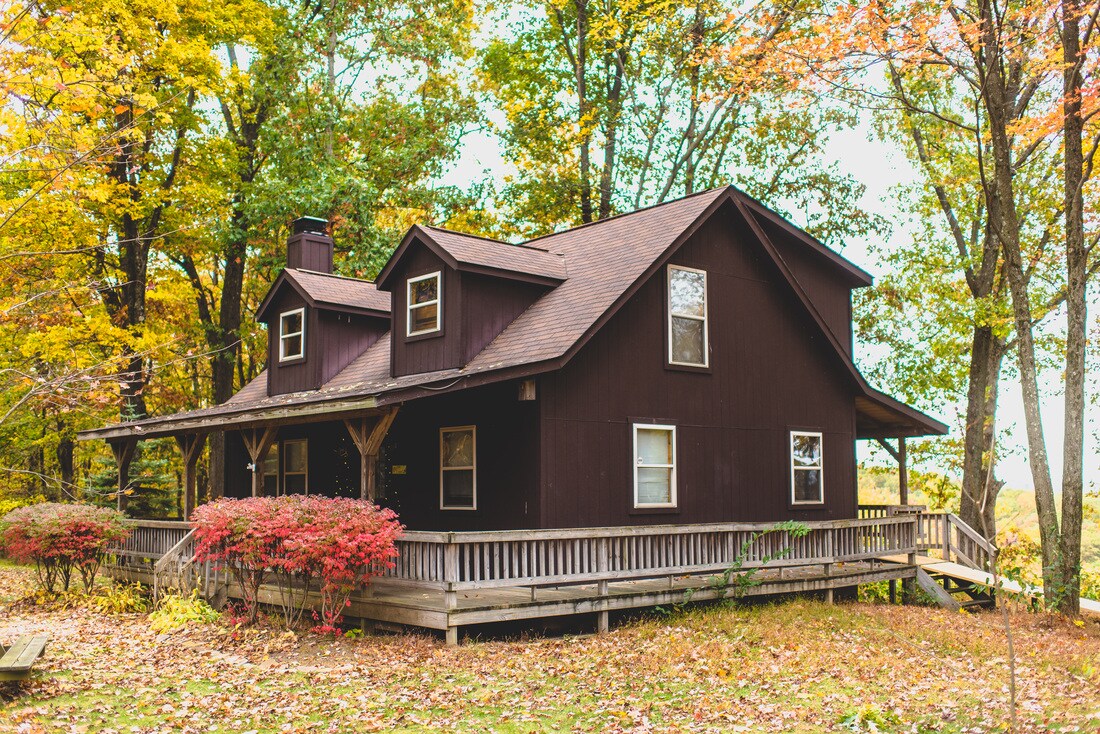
{"points": [[303, 543], [739, 579], [60, 539]]}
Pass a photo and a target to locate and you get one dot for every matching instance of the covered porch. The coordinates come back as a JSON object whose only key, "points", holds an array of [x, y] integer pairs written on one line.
{"points": [[267, 451]]}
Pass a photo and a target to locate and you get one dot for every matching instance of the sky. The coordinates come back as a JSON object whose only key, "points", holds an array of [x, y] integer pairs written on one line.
{"points": [[881, 168]]}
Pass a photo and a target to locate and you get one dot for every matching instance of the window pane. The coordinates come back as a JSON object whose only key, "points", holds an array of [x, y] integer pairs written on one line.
{"points": [[271, 461], [654, 446], [292, 346], [654, 486], [687, 292], [294, 484], [424, 317], [296, 456], [458, 488], [292, 323], [687, 341], [424, 290], [458, 448], [807, 485], [806, 450]]}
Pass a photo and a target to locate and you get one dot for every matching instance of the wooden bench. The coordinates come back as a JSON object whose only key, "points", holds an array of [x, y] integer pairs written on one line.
{"points": [[20, 657]]}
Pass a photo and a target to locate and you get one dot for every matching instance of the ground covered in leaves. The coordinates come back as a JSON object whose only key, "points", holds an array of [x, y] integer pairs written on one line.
{"points": [[796, 666]]}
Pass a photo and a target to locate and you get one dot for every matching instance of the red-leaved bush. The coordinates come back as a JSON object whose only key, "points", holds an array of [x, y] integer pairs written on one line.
{"points": [[333, 545], [61, 538]]}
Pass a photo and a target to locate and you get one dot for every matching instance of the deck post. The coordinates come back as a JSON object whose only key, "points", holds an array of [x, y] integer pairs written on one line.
{"points": [[903, 473], [947, 537], [257, 444], [369, 442], [602, 566], [452, 636], [450, 575], [123, 449], [190, 445], [829, 595]]}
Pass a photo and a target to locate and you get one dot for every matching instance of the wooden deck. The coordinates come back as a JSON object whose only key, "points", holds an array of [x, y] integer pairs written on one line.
{"points": [[445, 581]]}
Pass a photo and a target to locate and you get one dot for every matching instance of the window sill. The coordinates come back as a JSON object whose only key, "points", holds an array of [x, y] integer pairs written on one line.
{"points": [[292, 360], [688, 368], [424, 335], [654, 511]]}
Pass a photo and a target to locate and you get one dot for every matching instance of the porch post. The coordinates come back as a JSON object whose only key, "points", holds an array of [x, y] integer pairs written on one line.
{"points": [[257, 443], [123, 449], [190, 445], [369, 443], [903, 473]]}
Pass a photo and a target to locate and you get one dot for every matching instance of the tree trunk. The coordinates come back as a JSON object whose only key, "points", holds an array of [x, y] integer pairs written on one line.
{"points": [[580, 72], [1069, 549], [979, 488], [617, 61]]}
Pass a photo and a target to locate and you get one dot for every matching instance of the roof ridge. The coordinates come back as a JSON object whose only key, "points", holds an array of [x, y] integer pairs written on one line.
{"points": [[330, 275], [627, 214], [487, 239]]}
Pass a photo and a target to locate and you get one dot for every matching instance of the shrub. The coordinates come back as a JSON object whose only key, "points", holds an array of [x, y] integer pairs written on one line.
{"points": [[120, 599], [337, 544], [176, 612], [61, 538]]}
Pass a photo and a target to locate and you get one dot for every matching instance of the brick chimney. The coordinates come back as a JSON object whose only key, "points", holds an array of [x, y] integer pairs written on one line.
{"points": [[309, 247]]}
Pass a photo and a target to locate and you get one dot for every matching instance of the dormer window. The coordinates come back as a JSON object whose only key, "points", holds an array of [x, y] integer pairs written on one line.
{"points": [[424, 293], [292, 335], [687, 317]]}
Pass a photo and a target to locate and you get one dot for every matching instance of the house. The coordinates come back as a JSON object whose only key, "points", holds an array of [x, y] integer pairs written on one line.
{"points": [[686, 363]]}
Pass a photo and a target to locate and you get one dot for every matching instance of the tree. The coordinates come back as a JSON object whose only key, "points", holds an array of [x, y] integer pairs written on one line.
{"points": [[609, 107], [1026, 114]]}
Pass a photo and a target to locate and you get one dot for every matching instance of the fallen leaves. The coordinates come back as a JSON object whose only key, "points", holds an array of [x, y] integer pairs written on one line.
{"points": [[793, 666]]}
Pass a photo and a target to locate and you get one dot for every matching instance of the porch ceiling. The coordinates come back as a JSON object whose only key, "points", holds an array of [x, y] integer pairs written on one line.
{"points": [[880, 416]]}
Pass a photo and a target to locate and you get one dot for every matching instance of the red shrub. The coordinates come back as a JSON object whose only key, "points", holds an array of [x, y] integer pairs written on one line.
{"points": [[338, 544], [59, 538]]}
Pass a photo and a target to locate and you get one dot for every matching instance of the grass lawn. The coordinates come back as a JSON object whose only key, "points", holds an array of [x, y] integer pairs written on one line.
{"points": [[796, 666]]}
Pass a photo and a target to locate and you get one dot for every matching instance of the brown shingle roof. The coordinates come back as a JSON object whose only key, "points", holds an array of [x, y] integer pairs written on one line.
{"points": [[496, 255], [331, 291], [607, 260]]}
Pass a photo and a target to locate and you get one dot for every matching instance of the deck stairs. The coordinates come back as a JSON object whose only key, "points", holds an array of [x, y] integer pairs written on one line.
{"points": [[956, 564]]}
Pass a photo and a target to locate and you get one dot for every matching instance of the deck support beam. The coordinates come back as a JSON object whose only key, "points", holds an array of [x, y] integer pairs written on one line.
{"points": [[368, 438], [190, 445], [257, 442], [903, 467], [123, 449]]}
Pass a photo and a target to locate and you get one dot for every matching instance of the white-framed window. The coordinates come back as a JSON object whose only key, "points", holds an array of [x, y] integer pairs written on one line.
{"points": [[292, 334], [458, 468], [654, 465], [271, 471], [424, 297], [296, 466], [687, 317], [807, 468]]}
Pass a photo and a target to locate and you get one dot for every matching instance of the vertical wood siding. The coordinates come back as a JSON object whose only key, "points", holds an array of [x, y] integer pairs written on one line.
{"points": [[333, 340], [769, 373]]}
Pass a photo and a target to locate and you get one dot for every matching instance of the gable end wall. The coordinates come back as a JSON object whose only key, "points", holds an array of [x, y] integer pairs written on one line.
{"points": [[770, 373]]}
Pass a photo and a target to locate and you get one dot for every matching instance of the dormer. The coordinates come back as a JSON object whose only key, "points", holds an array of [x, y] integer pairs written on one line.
{"points": [[317, 322], [452, 293]]}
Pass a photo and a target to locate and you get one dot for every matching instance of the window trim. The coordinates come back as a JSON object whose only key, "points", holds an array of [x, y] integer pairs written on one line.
{"points": [[673, 494], [705, 318], [438, 301], [820, 466], [300, 334], [472, 468], [284, 455]]}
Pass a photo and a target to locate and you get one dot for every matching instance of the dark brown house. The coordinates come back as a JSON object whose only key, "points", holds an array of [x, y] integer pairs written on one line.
{"points": [[686, 363]]}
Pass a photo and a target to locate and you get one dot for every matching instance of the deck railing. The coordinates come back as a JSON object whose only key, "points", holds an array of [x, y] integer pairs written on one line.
{"points": [[508, 558], [458, 561]]}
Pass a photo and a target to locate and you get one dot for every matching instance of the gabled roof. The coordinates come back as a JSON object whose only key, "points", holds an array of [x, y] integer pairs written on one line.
{"points": [[334, 292], [480, 254], [608, 261]]}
